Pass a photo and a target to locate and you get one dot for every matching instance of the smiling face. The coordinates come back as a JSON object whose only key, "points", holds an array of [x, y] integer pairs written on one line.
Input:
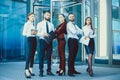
{"points": [[88, 21], [31, 17]]}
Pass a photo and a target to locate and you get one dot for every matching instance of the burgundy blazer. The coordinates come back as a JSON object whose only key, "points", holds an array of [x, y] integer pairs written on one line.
{"points": [[61, 30]]}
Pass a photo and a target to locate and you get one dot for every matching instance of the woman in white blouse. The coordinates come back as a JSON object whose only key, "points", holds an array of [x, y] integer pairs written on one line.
{"points": [[30, 33], [89, 34]]}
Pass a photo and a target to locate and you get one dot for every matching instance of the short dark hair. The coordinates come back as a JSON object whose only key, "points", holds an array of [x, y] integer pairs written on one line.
{"points": [[70, 14], [46, 12]]}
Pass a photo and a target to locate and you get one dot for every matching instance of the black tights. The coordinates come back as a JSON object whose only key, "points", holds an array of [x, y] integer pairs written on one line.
{"points": [[90, 61]]}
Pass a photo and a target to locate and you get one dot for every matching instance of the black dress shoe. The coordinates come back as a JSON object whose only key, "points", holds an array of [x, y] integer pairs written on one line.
{"points": [[50, 73], [75, 72], [41, 75], [32, 74], [71, 74]]}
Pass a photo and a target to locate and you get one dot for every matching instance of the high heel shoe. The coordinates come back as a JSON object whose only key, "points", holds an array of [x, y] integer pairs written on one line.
{"points": [[91, 73], [61, 72], [87, 69], [27, 76], [32, 74], [58, 71]]}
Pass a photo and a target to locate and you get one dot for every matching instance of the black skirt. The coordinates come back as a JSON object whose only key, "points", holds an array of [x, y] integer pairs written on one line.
{"points": [[90, 48]]}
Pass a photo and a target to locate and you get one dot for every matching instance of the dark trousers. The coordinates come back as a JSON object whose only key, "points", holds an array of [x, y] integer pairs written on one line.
{"points": [[44, 48], [73, 48], [31, 48], [61, 51]]}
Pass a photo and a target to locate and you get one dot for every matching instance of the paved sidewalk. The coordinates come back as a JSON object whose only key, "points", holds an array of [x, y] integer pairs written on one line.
{"points": [[15, 71]]}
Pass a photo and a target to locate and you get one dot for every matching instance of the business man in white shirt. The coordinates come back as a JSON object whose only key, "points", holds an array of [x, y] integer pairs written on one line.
{"points": [[44, 27], [73, 31]]}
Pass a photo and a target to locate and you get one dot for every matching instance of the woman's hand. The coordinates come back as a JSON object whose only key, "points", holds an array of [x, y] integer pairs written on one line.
{"points": [[86, 37], [33, 32]]}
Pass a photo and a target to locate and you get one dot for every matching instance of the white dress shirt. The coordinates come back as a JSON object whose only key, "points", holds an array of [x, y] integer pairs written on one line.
{"points": [[41, 28], [73, 30], [88, 31], [28, 26]]}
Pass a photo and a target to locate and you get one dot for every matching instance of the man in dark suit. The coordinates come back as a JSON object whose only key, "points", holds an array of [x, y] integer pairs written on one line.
{"points": [[44, 27], [72, 33]]}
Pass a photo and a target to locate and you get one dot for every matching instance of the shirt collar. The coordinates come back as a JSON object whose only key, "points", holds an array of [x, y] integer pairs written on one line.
{"points": [[88, 26], [45, 20], [29, 22]]}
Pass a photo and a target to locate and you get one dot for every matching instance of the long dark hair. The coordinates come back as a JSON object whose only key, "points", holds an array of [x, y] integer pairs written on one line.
{"points": [[29, 15], [64, 17], [65, 21], [90, 23]]}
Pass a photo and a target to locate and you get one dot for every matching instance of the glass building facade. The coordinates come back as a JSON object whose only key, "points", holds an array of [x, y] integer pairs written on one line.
{"points": [[13, 16]]}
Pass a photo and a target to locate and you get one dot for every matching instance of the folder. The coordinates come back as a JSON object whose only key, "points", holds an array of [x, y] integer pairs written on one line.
{"points": [[84, 41], [49, 39]]}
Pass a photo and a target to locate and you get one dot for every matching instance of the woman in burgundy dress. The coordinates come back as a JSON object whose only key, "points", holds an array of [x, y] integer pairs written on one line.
{"points": [[60, 31]]}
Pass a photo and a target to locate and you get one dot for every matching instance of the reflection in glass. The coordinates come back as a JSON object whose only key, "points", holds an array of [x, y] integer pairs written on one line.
{"points": [[116, 24], [116, 32], [116, 47], [12, 20], [115, 12], [115, 3]]}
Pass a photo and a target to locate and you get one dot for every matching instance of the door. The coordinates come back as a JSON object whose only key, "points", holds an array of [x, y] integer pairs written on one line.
{"points": [[57, 7]]}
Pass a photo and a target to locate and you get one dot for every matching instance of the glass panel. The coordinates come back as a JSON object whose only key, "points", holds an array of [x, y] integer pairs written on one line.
{"points": [[96, 7], [115, 12], [11, 24], [115, 3], [116, 32], [87, 8], [116, 25], [58, 7], [116, 43], [66, 7]]}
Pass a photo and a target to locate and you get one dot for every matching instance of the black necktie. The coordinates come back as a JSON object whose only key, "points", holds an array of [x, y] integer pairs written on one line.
{"points": [[47, 27]]}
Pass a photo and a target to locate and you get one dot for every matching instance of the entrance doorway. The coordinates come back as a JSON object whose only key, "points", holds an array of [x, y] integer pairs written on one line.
{"points": [[57, 7]]}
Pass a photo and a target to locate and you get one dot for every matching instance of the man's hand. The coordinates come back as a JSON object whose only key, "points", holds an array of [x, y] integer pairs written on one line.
{"points": [[46, 35]]}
